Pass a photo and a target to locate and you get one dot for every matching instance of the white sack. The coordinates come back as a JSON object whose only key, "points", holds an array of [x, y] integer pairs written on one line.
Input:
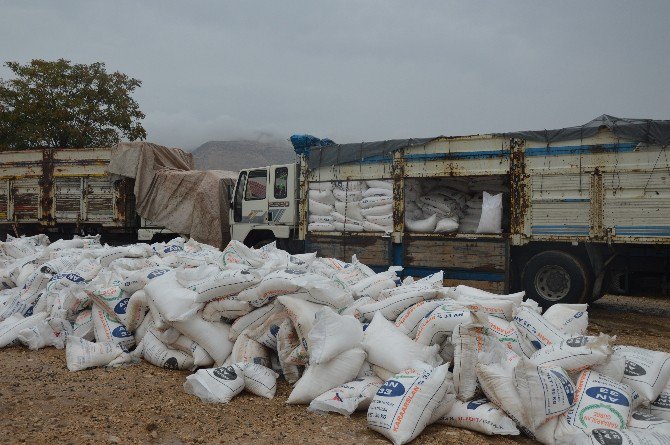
{"points": [[324, 197], [201, 359], [136, 310], [537, 329], [647, 371], [221, 284], [259, 379], [81, 354], [320, 227], [403, 406], [507, 335], [570, 318], [253, 319], [408, 322], [83, 325], [331, 335], [441, 322], [216, 385], [546, 391], [212, 336], [319, 378], [481, 416], [376, 201], [52, 332], [426, 225], [491, 219], [389, 348], [377, 210], [472, 293], [469, 340], [10, 327], [317, 208], [159, 354], [600, 402], [172, 301], [661, 406], [576, 353], [247, 350], [446, 225], [107, 328], [349, 397], [374, 285], [648, 422], [607, 436]]}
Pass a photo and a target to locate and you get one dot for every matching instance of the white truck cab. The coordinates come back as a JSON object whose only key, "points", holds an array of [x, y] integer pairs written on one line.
{"points": [[264, 207]]}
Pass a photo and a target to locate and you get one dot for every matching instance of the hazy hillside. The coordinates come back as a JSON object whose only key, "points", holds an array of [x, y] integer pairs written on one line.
{"points": [[236, 155]]}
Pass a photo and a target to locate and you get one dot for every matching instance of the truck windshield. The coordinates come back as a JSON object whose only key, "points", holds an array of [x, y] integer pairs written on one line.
{"points": [[257, 185]]}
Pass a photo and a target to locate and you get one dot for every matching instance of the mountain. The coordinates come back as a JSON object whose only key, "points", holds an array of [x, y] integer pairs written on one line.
{"points": [[236, 155]]}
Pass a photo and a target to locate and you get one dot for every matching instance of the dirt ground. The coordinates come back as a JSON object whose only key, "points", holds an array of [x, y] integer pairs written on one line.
{"points": [[42, 402]]}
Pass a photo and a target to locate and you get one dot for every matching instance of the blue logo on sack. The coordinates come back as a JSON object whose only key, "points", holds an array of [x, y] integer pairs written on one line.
{"points": [[75, 278], [536, 344], [477, 403], [391, 388], [568, 387], [273, 330], [121, 332], [156, 273], [172, 249], [121, 306], [608, 395]]}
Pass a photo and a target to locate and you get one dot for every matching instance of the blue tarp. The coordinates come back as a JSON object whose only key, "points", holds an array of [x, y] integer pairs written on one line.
{"points": [[302, 143]]}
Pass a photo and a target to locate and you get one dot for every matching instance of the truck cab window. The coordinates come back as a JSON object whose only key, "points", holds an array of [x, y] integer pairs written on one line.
{"points": [[257, 184], [281, 183], [239, 191]]}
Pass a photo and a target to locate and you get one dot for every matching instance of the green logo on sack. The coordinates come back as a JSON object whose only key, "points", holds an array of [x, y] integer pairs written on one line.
{"points": [[584, 416]]}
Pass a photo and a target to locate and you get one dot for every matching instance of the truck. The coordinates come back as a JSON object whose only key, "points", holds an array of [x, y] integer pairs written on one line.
{"points": [[69, 191], [585, 209]]}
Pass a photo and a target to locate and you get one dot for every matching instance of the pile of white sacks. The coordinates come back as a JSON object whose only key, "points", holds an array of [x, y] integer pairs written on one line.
{"points": [[449, 205], [347, 339], [431, 206], [351, 206]]}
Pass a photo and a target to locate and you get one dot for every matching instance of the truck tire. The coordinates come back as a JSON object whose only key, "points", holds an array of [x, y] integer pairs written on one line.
{"points": [[263, 242], [556, 277]]}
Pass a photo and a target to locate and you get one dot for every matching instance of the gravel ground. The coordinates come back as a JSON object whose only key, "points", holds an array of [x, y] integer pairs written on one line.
{"points": [[41, 402]]}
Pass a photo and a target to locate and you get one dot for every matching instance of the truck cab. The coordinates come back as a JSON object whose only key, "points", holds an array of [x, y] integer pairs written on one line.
{"points": [[264, 206]]}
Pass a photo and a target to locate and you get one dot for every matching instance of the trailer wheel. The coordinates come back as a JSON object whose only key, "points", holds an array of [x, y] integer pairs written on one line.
{"points": [[556, 277]]}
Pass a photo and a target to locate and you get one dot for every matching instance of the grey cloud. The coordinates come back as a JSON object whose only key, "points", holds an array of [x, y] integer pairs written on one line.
{"points": [[360, 70]]}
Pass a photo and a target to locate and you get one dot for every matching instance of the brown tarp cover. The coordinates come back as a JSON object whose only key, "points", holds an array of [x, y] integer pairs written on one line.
{"points": [[169, 193]]}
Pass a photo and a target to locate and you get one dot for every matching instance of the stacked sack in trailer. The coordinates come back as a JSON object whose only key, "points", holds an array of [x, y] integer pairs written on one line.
{"points": [[408, 352], [448, 205], [351, 206]]}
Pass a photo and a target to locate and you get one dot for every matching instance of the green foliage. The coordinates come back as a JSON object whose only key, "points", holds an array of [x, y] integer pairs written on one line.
{"points": [[59, 104]]}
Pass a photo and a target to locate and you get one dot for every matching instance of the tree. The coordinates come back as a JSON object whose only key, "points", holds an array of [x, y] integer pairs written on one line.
{"points": [[59, 104]]}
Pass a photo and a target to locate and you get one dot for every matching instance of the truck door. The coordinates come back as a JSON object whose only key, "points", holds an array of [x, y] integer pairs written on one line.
{"points": [[255, 203], [281, 202]]}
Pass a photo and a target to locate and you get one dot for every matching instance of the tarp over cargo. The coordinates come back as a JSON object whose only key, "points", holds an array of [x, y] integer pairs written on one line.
{"points": [[171, 194], [640, 130]]}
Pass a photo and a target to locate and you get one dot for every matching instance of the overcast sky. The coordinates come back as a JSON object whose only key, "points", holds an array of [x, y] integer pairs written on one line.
{"points": [[361, 69]]}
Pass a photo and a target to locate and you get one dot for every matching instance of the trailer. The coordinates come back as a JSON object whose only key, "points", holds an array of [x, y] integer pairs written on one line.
{"points": [[63, 192], [585, 209]]}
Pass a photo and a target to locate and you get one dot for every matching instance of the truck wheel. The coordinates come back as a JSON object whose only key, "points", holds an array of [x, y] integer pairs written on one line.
{"points": [[261, 243], [556, 277]]}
